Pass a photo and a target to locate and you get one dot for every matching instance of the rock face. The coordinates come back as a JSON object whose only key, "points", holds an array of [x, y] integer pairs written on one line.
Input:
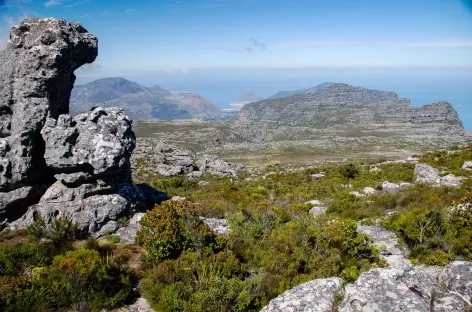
{"points": [[53, 165], [314, 296]]}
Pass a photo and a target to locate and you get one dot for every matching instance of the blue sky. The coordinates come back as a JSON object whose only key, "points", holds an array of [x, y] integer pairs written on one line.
{"points": [[180, 35], [421, 49]]}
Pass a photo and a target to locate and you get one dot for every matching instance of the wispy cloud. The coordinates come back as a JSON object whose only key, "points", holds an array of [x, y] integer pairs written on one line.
{"points": [[73, 4], [445, 43], [253, 45], [51, 3]]}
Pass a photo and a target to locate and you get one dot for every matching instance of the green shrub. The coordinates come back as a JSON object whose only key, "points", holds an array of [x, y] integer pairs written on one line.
{"points": [[171, 228], [349, 171], [61, 232], [16, 258]]}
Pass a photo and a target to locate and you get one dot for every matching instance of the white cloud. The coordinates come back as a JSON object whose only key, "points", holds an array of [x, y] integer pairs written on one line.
{"points": [[51, 3]]}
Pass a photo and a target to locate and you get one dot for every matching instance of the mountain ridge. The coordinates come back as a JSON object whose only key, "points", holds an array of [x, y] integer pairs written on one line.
{"points": [[140, 102], [282, 94]]}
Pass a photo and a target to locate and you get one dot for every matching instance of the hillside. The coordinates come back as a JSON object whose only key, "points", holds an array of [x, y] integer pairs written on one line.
{"points": [[282, 94], [245, 99], [140, 102]]}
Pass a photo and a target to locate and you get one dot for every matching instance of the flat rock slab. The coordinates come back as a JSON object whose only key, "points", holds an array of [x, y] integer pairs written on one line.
{"points": [[388, 243], [314, 296]]}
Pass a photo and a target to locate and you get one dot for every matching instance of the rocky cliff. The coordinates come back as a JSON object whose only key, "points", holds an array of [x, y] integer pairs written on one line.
{"points": [[53, 165], [349, 109]]}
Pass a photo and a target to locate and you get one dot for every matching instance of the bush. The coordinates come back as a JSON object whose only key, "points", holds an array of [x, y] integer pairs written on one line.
{"points": [[101, 285], [199, 282], [349, 171], [60, 232], [171, 228]]}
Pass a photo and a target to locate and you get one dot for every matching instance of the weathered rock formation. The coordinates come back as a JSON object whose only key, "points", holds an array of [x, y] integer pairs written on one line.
{"points": [[167, 160], [53, 165]]}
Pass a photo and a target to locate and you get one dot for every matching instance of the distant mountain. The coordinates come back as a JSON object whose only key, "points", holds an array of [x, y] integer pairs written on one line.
{"points": [[245, 99], [195, 104], [140, 102], [282, 94], [351, 111]]}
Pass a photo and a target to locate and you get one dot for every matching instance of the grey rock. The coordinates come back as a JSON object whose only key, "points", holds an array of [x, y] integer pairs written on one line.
{"points": [[457, 278], [357, 194], [15, 203], [451, 180], [317, 176], [318, 210], [178, 198], [108, 228], [393, 289], [429, 175], [168, 160], [448, 303], [92, 144], [218, 226], [127, 234], [314, 296], [467, 165], [314, 202], [36, 78], [53, 165], [215, 166], [369, 191], [388, 244], [141, 305], [390, 187], [405, 185]]}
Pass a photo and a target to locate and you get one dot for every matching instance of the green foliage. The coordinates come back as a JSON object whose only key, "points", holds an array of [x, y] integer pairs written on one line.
{"points": [[171, 228], [199, 282], [60, 232], [15, 258], [343, 202], [349, 171], [79, 278]]}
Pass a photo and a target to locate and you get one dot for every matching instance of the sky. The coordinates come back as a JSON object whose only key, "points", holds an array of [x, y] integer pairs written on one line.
{"points": [[178, 35], [421, 49]]}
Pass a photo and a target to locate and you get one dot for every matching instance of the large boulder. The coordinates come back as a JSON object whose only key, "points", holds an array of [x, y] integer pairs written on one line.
{"points": [[53, 165], [314, 296], [36, 79], [91, 145]]}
